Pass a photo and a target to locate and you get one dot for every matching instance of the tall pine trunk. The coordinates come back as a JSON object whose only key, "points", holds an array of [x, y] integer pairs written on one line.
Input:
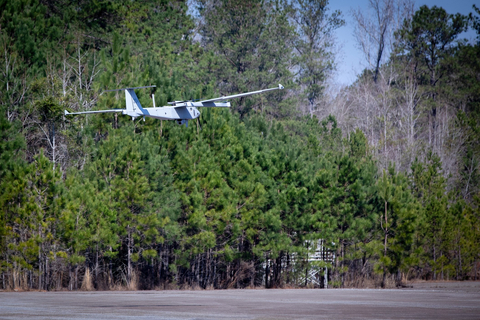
{"points": [[385, 246], [129, 256]]}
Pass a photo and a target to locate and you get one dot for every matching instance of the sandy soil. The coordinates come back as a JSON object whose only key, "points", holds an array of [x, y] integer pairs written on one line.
{"points": [[423, 300]]}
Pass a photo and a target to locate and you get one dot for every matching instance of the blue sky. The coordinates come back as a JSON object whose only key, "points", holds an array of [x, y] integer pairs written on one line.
{"points": [[352, 61]]}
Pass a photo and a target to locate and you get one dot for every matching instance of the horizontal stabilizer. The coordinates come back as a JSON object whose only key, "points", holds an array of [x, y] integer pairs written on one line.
{"points": [[130, 88]]}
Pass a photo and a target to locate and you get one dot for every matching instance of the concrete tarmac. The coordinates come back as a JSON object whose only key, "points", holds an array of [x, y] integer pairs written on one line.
{"points": [[430, 301]]}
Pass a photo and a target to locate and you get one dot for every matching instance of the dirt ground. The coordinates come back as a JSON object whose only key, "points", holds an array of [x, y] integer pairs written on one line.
{"points": [[422, 300]]}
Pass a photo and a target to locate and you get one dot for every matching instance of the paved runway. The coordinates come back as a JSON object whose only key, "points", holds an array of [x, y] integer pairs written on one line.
{"points": [[441, 301]]}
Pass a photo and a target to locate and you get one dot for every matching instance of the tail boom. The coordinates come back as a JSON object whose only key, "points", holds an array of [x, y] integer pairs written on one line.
{"points": [[97, 111]]}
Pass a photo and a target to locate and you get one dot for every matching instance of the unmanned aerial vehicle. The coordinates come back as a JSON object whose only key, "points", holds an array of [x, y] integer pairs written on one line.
{"points": [[181, 111]]}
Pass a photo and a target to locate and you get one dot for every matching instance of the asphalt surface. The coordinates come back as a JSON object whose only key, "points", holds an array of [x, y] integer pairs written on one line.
{"points": [[423, 301]]}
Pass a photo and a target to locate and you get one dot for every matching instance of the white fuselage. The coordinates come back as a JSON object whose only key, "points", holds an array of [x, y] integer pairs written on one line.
{"points": [[168, 113], [182, 110]]}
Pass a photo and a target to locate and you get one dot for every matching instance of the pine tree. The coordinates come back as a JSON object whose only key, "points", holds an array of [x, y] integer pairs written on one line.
{"points": [[250, 39], [428, 185]]}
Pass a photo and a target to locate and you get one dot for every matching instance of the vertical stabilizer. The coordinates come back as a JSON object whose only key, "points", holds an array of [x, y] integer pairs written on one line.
{"points": [[131, 99], [133, 106]]}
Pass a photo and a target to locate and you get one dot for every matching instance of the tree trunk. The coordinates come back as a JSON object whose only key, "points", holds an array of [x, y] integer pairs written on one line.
{"points": [[306, 270], [14, 275], [441, 272], [288, 268], [76, 277], [386, 231], [474, 268], [385, 246], [325, 281], [215, 274], [40, 282], [46, 277], [343, 263], [96, 268], [70, 278], [267, 271], [129, 256], [459, 263], [110, 272]]}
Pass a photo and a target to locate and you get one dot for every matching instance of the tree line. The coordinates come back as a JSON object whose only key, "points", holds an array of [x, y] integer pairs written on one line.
{"points": [[384, 172]]}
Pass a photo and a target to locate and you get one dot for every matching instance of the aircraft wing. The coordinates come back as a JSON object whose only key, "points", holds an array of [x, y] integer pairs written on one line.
{"points": [[202, 104], [98, 111], [241, 95]]}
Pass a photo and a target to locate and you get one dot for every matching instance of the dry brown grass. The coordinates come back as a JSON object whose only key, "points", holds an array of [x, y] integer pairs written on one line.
{"points": [[167, 286], [117, 287], [185, 286], [133, 284], [87, 282]]}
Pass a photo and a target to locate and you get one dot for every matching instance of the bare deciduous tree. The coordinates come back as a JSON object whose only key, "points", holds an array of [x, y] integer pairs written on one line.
{"points": [[374, 31], [315, 47], [13, 84]]}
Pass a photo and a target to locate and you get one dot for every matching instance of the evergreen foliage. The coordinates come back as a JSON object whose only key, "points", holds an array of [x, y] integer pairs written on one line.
{"points": [[238, 199]]}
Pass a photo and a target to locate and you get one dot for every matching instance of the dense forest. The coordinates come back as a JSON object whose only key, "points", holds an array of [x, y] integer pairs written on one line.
{"points": [[383, 173]]}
